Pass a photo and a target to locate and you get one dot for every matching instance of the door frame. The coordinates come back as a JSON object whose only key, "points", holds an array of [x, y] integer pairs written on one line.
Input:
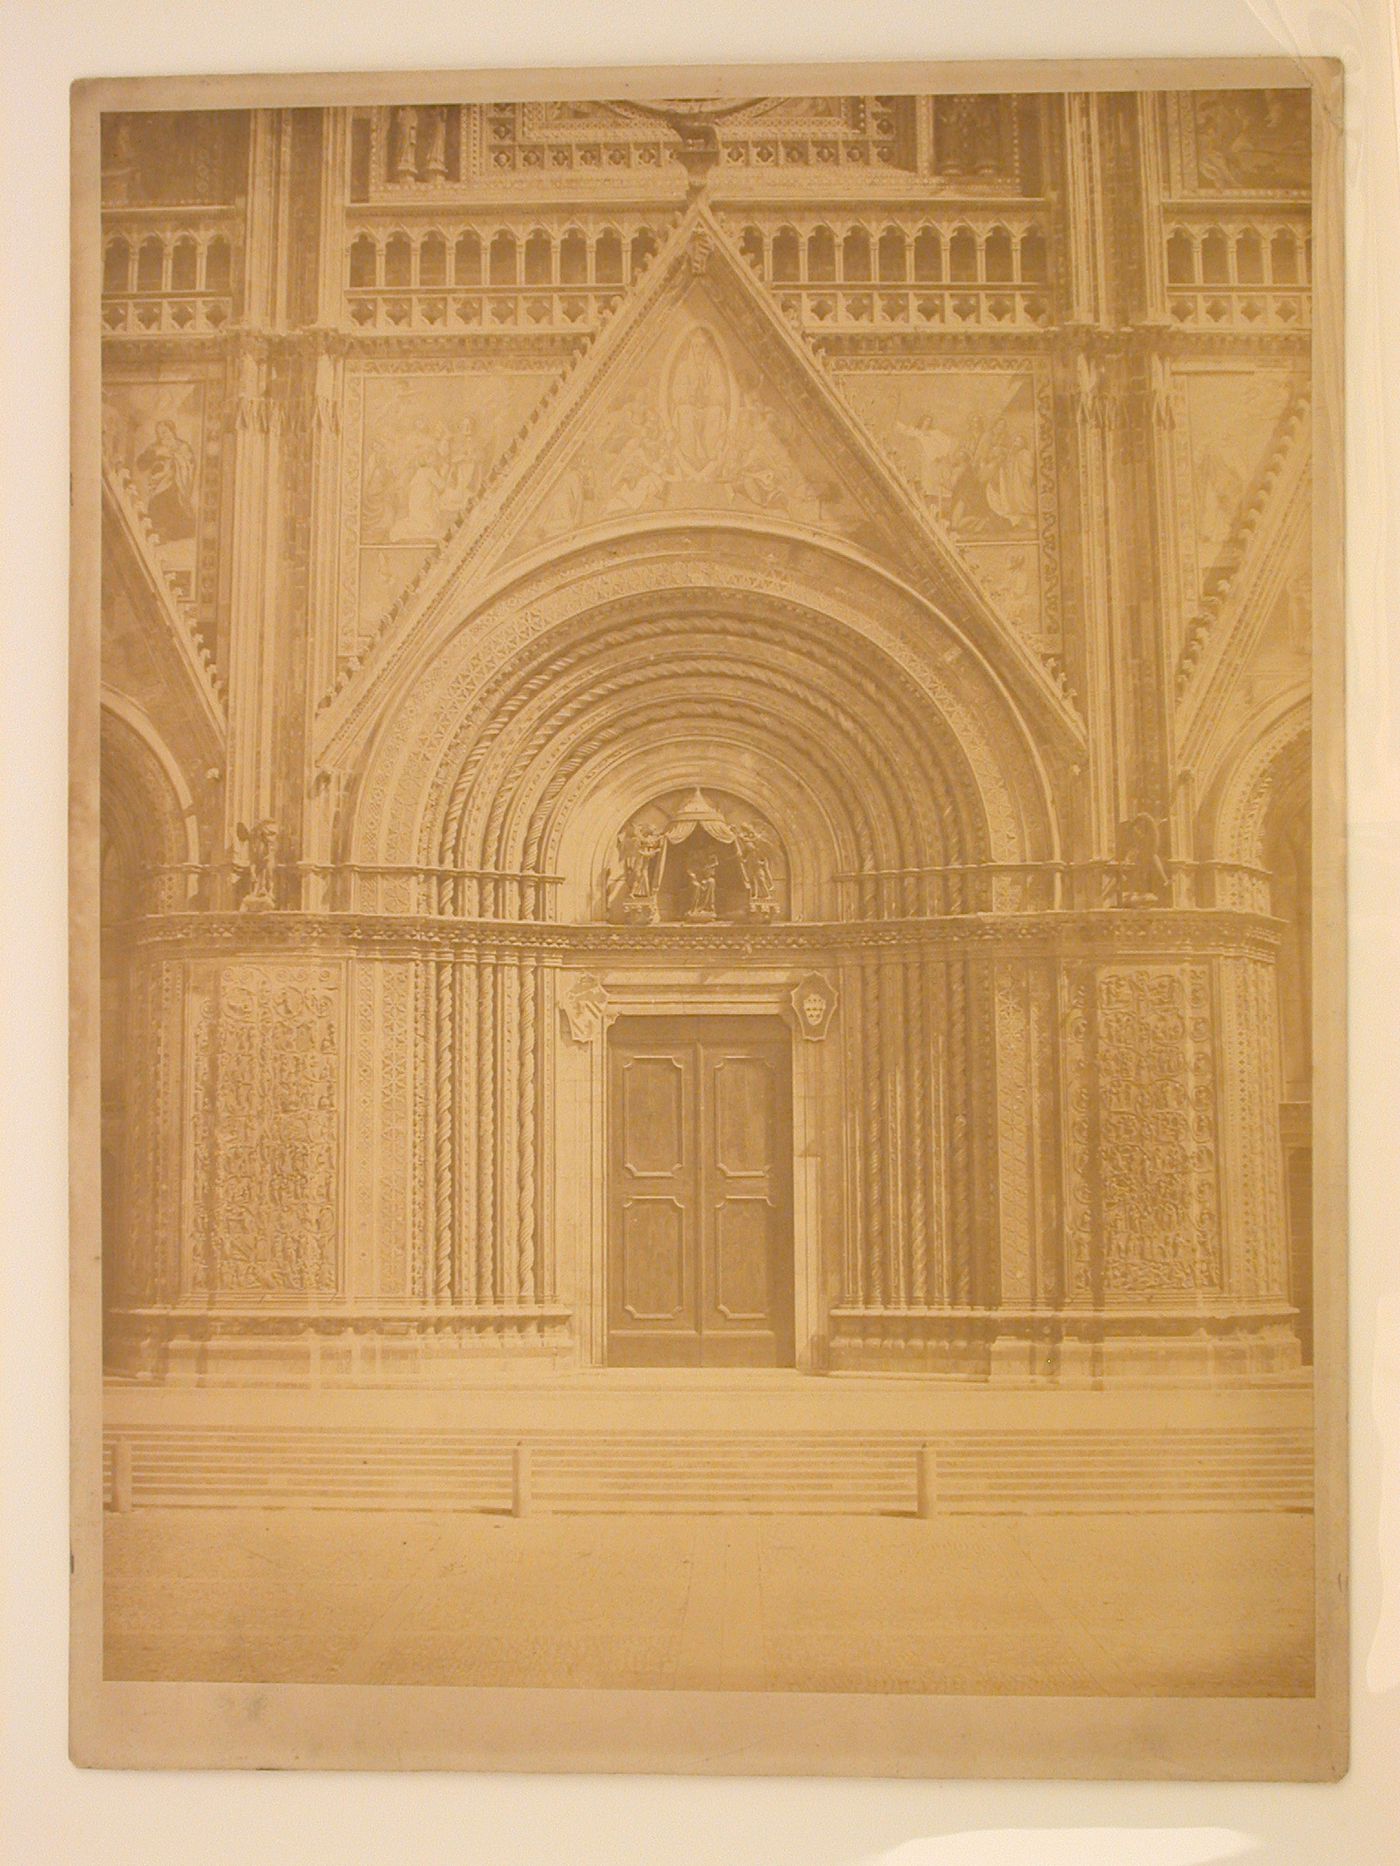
{"points": [[583, 1135]]}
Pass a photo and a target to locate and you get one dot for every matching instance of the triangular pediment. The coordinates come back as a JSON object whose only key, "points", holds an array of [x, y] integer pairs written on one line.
{"points": [[697, 425], [696, 400]]}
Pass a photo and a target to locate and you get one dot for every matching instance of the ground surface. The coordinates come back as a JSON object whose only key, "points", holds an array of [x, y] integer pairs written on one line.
{"points": [[1208, 1604]]}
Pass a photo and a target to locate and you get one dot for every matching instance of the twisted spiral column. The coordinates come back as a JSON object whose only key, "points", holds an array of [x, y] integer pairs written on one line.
{"points": [[529, 987], [442, 1126], [919, 1141], [508, 1155], [892, 1059], [486, 1132], [464, 1255], [873, 1097], [853, 1280], [959, 1139]]}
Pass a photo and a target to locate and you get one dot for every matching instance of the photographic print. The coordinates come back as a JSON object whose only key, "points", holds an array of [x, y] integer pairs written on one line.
{"points": [[707, 771]]}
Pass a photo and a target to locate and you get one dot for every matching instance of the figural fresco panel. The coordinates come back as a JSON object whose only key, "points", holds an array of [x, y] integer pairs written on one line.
{"points": [[419, 444]]}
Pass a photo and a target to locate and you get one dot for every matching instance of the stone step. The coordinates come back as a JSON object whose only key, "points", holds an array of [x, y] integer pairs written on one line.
{"points": [[825, 1473]]}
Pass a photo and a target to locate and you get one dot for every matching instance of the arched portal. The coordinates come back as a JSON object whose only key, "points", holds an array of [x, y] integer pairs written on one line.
{"points": [[490, 730], [851, 779]]}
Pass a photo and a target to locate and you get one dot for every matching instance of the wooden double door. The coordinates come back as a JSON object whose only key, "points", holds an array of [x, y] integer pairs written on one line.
{"points": [[700, 1249]]}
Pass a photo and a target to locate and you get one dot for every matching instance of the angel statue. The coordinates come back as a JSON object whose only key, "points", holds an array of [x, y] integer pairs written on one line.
{"points": [[1141, 874], [756, 866], [261, 866], [641, 867]]}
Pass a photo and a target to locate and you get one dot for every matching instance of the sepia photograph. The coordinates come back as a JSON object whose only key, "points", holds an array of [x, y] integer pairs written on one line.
{"points": [[708, 809]]}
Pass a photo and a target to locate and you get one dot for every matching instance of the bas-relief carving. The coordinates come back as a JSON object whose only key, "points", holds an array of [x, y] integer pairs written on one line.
{"points": [[583, 1003], [1142, 1200], [814, 1000], [264, 1117]]}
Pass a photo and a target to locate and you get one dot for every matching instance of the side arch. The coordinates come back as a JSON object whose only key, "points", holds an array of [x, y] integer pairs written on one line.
{"points": [[1270, 755], [149, 822]]}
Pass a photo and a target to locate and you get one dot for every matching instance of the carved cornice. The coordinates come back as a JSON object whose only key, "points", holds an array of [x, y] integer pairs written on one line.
{"points": [[1160, 933]]}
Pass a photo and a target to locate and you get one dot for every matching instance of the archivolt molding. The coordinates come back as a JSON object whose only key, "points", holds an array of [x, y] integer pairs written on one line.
{"points": [[148, 813], [172, 624], [139, 769], [1239, 799], [455, 707], [684, 673]]}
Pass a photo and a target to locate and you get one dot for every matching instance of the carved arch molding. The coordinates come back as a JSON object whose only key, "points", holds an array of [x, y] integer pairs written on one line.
{"points": [[148, 826], [830, 681]]}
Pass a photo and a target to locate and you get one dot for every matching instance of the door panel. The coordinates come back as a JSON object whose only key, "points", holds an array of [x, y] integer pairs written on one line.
{"points": [[743, 1092], [743, 1245], [651, 1286], [653, 1266], [653, 1115], [700, 1201]]}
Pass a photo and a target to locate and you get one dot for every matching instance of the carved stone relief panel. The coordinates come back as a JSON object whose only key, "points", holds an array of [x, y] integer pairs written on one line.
{"points": [[1154, 1124], [814, 1000], [264, 1105], [1256, 1233]]}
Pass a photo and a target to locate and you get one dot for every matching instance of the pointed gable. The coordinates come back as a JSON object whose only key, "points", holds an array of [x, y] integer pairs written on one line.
{"points": [[695, 399], [695, 426]]}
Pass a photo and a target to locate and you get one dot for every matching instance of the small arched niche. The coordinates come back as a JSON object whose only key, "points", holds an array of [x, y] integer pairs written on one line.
{"points": [[695, 857]]}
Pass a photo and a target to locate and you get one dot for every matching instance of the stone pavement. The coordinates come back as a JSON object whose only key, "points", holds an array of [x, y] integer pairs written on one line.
{"points": [[1189, 1604]]}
